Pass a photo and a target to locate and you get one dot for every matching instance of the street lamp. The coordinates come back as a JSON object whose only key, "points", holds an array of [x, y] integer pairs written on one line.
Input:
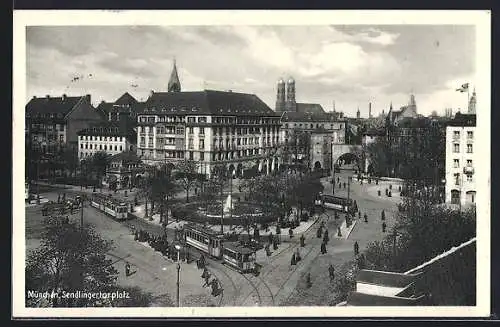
{"points": [[178, 247]]}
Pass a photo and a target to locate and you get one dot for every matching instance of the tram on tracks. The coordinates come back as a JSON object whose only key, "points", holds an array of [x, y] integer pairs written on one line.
{"points": [[233, 254], [334, 202], [110, 206]]}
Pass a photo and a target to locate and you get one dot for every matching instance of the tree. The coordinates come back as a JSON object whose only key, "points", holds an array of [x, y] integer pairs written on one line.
{"points": [[98, 164], [70, 258], [187, 175], [163, 189]]}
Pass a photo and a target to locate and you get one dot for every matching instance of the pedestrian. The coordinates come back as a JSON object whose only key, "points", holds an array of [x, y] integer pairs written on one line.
{"points": [[366, 218], [359, 214], [290, 232], [344, 185], [308, 280], [326, 238], [323, 248], [302, 240], [58, 198], [339, 233], [293, 262], [268, 250], [207, 279], [338, 180], [275, 244], [331, 271], [319, 232], [384, 226], [271, 238], [297, 255], [382, 215], [356, 248], [127, 269]]}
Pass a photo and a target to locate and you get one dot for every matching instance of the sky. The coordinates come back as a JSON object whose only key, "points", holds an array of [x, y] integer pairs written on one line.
{"points": [[349, 65]]}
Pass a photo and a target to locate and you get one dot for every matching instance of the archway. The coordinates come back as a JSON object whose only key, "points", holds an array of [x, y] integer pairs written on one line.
{"points": [[348, 161]]}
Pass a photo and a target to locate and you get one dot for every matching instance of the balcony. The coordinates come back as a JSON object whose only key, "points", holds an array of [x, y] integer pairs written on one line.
{"points": [[468, 170]]}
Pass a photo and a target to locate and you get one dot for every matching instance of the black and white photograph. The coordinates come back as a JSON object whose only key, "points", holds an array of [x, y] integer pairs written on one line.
{"points": [[251, 164]]}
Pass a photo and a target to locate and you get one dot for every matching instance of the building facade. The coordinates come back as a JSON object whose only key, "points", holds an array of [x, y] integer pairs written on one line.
{"points": [[109, 137], [461, 160], [122, 169], [52, 123]]}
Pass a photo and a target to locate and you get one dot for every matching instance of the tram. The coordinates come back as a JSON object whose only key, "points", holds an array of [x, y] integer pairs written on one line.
{"points": [[334, 202], [212, 243], [112, 207]]}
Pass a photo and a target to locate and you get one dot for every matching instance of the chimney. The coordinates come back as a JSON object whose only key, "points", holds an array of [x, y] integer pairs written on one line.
{"points": [[34, 97], [370, 110], [87, 97], [151, 93], [47, 96], [64, 97]]}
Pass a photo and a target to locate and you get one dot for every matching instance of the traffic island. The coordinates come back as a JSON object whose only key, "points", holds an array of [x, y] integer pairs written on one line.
{"points": [[345, 230]]}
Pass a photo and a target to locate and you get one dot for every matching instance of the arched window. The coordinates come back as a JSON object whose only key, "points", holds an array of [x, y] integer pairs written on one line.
{"points": [[455, 196]]}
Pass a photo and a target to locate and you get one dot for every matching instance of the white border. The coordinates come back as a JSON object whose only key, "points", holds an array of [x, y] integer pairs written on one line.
{"points": [[480, 19]]}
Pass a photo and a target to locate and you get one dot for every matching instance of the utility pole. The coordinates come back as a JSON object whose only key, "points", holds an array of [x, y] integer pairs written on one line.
{"points": [[81, 212]]}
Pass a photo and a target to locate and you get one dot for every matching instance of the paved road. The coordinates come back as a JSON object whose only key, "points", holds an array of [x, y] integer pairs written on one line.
{"points": [[278, 279]]}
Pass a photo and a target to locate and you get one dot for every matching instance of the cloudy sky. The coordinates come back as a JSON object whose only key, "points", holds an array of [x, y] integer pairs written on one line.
{"points": [[350, 64]]}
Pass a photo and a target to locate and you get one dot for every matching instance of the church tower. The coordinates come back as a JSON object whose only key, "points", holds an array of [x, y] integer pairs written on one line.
{"points": [[174, 85], [358, 114], [370, 110], [472, 103], [290, 105], [412, 105], [280, 96]]}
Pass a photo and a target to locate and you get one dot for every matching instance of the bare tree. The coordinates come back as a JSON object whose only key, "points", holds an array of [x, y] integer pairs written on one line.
{"points": [[187, 175]]}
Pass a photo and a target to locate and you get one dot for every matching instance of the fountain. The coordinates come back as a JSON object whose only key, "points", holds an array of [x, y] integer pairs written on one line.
{"points": [[228, 205]]}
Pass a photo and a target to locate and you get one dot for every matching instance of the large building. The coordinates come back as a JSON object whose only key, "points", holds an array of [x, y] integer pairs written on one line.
{"points": [[461, 160], [407, 111], [209, 127], [52, 123], [125, 107], [299, 121], [109, 137]]}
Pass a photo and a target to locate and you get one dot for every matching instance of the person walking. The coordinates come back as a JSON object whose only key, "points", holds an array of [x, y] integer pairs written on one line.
{"points": [[297, 255], [331, 272], [302, 240], [323, 248], [366, 218], [293, 262], [356, 248], [127, 269], [384, 226]]}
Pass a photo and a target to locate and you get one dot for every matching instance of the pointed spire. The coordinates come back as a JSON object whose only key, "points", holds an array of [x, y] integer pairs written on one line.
{"points": [[174, 85]]}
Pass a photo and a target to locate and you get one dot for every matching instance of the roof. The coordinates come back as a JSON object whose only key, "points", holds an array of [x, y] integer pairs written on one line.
{"points": [[107, 128], [207, 102], [237, 247], [105, 107], [125, 99], [126, 157], [463, 120], [307, 117], [51, 105], [374, 132], [310, 108], [362, 299], [385, 278]]}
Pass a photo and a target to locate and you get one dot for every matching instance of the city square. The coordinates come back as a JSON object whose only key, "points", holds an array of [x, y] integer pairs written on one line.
{"points": [[242, 181]]}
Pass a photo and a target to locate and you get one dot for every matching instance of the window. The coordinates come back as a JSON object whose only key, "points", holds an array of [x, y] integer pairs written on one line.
{"points": [[202, 144], [81, 146], [469, 148], [191, 119], [202, 156], [81, 154], [455, 197], [121, 148], [116, 148], [61, 128], [105, 147], [457, 179], [202, 119], [456, 135], [456, 163], [86, 145], [190, 155], [470, 135], [190, 144], [100, 146], [469, 178], [190, 130], [202, 130], [456, 148]]}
